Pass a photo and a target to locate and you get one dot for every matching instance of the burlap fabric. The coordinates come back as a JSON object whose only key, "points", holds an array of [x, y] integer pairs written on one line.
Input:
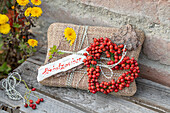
{"points": [[56, 37]]}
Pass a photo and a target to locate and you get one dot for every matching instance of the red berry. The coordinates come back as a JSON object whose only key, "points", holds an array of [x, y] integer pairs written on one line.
{"points": [[88, 49], [33, 89], [41, 99], [95, 40], [123, 65], [115, 47], [108, 55], [85, 54], [116, 90], [34, 106], [121, 46], [31, 101], [31, 105], [101, 90], [37, 102], [26, 105], [89, 57], [127, 85]]}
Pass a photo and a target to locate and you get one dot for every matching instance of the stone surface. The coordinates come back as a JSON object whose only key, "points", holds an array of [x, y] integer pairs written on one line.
{"points": [[111, 13], [155, 10], [157, 48], [157, 43], [154, 70]]}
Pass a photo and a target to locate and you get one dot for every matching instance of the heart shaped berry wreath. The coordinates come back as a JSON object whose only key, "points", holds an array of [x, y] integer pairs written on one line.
{"points": [[114, 52]]}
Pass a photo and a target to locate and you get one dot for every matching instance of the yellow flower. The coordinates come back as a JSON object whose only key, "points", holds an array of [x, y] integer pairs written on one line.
{"points": [[23, 2], [5, 28], [36, 2], [3, 19], [28, 11], [36, 12], [70, 34], [32, 42]]}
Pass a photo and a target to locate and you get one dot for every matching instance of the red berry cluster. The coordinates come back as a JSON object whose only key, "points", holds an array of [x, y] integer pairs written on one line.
{"points": [[114, 52], [31, 102]]}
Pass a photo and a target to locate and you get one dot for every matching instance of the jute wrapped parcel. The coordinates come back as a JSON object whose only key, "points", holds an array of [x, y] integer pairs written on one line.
{"points": [[76, 77]]}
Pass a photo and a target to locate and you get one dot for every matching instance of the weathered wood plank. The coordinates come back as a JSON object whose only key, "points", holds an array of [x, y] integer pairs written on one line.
{"points": [[49, 105], [152, 95], [146, 98], [149, 94], [2, 111]]}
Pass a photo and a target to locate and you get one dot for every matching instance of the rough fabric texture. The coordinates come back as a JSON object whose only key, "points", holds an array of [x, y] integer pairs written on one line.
{"points": [[55, 36]]}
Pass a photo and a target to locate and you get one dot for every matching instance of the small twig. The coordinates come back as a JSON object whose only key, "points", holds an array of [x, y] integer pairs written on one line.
{"points": [[24, 83]]}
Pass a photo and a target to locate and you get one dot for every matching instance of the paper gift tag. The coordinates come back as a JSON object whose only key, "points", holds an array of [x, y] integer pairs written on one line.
{"points": [[61, 65]]}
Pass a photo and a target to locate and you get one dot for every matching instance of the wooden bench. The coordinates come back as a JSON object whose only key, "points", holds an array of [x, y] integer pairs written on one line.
{"points": [[150, 97]]}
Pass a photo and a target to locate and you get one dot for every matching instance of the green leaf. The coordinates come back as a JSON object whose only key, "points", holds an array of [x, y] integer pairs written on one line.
{"points": [[8, 4], [60, 53], [7, 70], [34, 50], [16, 25], [50, 56], [54, 46], [53, 49], [4, 68], [0, 37], [112, 56], [21, 61], [1, 44], [4, 11], [22, 46]]}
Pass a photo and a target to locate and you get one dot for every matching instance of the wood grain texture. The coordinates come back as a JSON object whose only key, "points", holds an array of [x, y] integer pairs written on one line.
{"points": [[49, 105], [149, 96], [2, 111]]}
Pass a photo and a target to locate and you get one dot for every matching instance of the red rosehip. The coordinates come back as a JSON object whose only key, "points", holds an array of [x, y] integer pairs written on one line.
{"points": [[111, 46], [85, 54], [101, 90], [89, 57], [108, 55], [121, 46], [37, 102], [41, 99], [95, 40], [34, 105], [88, 49], [97, 43], [116, 90], [31, 105], [115, 47], [33, 89], [31, 101], [123, 65], [127, 85], [26, 105]]}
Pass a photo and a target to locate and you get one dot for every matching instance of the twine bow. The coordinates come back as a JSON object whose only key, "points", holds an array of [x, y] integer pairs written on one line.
{"points": [[10, 83]]}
